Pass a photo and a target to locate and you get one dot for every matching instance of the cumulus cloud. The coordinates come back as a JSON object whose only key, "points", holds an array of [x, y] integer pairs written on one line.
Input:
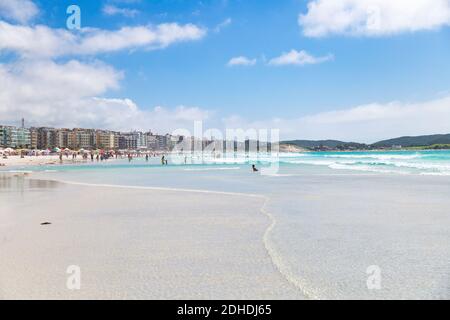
{"points": [[37, 85], [125, 115], [71, 95], [241, 61], [112, 10], [373, 17], [365, 123], [49, 92], [299, 58], [20, 11], [42, 41]]}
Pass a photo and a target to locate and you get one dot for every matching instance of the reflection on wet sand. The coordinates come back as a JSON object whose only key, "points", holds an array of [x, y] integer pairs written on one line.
{"points": [[14, 182]]}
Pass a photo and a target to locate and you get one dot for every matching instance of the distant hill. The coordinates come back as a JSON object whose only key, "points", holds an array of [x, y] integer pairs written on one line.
{"points": [[418, 141], [323, 144], [437, 141]]}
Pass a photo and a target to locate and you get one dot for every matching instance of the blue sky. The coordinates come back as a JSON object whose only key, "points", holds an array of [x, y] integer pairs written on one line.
{"points": [[345, 70]]}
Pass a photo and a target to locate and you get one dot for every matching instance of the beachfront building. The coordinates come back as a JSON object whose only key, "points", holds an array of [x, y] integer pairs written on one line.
{"points": [[62, 137], [141, 141], [162, 142], [14, 137], [21, 138], [33, 138], [172, 141], [4, 131], [128, 140], [106, 139], [151, 141], [81, 138], [45, 137]]}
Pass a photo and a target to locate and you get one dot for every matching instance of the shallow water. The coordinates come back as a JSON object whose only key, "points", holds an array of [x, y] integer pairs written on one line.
{"points": [[333, 217]]}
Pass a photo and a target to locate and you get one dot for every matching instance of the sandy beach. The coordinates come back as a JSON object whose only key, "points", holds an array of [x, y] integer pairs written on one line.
{"points": [[41, 160], [139, 230], [133, 244]]}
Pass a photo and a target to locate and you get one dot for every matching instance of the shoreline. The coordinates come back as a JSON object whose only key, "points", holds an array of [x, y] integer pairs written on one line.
{"points": [[150, 241], [249, 250], [269, 245], [42, 160]]}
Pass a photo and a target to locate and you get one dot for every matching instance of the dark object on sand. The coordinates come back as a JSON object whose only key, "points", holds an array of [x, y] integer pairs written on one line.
{"points": [[45, 223]]}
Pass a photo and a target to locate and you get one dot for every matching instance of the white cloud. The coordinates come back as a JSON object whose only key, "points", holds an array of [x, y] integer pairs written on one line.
{"points": [[112, 10], [225, 23], [50, 92], [241, 61], [125, 115], [299, 58], [18, 10], [373, 17], [365, 123], [160, 36], [42, 41], [70, 95]]}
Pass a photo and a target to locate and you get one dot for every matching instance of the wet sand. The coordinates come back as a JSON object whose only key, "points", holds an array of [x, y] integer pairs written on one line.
{"points": [[133, 244], [138, 232], [17, 161]]}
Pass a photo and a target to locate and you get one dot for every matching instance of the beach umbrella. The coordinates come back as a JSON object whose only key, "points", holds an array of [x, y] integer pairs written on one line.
{"points": [[56, 149]]}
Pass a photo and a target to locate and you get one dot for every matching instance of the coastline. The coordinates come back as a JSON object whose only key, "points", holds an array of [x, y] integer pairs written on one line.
{"points": [[42, 160], [321, 231], [130, 245]]}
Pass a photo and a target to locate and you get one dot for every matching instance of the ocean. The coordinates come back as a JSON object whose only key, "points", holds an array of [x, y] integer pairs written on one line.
{"points": [[331, 218]]}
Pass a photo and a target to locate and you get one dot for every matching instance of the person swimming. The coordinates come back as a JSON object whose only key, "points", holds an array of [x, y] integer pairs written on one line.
{"points": [[254, 168]]}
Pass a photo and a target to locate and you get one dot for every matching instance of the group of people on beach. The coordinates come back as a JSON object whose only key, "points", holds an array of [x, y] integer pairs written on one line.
{"points": [[103, 156]]}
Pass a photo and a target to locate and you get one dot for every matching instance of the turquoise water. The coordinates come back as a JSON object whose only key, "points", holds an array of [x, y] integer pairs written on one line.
{"points": [[335, 213], [392, 162], [402, 162]]}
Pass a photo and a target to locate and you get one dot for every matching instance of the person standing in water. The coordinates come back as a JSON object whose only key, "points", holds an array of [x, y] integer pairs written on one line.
{"points": [[254, 168], [146, 157], [163, 160]]}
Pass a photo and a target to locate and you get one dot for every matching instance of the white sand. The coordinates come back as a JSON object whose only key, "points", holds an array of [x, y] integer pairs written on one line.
{"points": [[315, 236], [133, 244], [38, 160]]}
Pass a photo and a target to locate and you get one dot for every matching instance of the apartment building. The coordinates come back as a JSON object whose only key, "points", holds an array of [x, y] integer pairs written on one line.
{"points": [[106, 139], [79, 138], [15, 137], [82, 138]]}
